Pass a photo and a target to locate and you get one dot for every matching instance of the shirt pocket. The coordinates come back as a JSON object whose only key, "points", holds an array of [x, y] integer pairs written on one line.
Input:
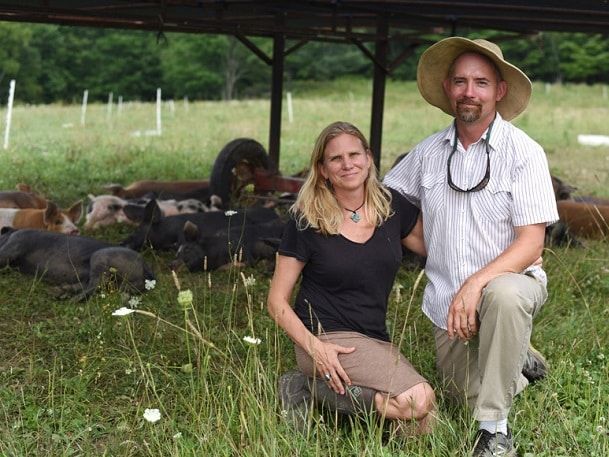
{"points": [[433, 187], [494, 202]]}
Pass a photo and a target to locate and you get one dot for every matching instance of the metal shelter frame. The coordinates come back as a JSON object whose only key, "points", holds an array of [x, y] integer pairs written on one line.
{"points": [[360, 23]]}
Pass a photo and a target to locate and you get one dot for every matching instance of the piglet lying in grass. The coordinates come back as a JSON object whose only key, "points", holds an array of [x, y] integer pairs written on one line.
{"points": [[50, 218], [103, 210], [163, 233], [244, 245], [75, 263], [22, 198]]}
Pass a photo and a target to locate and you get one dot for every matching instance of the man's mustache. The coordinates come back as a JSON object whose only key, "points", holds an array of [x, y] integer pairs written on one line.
{"points": [[467, 101]]}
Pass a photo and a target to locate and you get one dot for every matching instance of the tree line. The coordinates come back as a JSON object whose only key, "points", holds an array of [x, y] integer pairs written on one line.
{"points": [[57, 63]]}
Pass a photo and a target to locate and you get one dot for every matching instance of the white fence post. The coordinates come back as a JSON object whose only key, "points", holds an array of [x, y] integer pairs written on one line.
{"points": [[9, 112], [172, 107], [158, 111], [83, 109], [120, 105], [290, 110]]}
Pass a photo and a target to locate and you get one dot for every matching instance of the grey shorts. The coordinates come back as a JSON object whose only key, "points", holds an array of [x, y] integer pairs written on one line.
{"points": [[376, 364]]}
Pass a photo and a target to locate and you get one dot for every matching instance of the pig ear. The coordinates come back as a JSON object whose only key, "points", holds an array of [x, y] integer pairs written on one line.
{"points": [[215, 201], [152, 212], [75, 211], [6, 229], [21, 187], [191, 232], [50, 212]]}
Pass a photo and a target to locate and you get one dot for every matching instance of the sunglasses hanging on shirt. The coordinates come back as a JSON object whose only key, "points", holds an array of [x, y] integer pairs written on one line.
{"points": [[487, 175]]}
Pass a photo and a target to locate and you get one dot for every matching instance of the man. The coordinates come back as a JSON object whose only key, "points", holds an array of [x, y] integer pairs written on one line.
{"points": [[486, 197]]}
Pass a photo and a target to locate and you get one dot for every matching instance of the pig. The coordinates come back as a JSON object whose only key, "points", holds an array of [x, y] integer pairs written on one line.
{"points": [[75, 263], [243, 245], [19, 199], [558, 234], [178, 190], [163, 233], [583, 219], [191, 205], [105, 210], [562, 190], [51, 218], [135, 211]]}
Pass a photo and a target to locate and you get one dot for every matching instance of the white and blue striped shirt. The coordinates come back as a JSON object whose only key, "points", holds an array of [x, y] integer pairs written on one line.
{"points": [[465, 231]]}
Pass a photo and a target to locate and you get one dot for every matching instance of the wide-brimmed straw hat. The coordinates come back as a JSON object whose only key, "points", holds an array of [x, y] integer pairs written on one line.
{"points": [[437, 59]]}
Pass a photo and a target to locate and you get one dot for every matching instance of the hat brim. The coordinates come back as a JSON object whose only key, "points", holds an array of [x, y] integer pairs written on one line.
{"points": [[436, 60]]}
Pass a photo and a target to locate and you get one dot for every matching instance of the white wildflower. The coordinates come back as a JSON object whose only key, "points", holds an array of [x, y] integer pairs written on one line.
{"points": [[248, 281], [177, 436], [185, 299], [149, 284], [230, 212], [123, 311], [135, 301], [152, 415], [601, 356], [252, 340], [600, 429]]}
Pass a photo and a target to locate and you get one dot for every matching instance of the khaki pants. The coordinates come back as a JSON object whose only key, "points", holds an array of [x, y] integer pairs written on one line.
{"points": [[486, 371]]}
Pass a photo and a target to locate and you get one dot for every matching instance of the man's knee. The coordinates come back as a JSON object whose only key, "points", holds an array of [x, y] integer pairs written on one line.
{"points": [[503, 296]]}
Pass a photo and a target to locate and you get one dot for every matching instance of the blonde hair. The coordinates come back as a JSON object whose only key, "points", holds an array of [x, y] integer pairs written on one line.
{"points": [[317, 207]]}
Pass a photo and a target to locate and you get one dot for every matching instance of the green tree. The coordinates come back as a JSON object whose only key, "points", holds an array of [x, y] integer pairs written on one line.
{"points": [[584, 58], [322, 61], [19, 60], [191, 66]]}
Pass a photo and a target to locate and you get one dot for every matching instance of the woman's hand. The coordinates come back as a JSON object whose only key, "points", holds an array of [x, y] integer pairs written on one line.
{"points": [[325, 357]]}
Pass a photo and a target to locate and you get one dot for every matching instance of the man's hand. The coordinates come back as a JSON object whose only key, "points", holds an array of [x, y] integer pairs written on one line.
{"points": [[462, 318]]}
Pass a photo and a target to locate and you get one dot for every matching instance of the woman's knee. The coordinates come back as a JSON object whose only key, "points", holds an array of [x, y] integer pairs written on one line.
{"points": [[417, 402]]}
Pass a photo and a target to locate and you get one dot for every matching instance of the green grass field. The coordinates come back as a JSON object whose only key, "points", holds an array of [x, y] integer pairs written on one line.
{"points": [[76, 380]]}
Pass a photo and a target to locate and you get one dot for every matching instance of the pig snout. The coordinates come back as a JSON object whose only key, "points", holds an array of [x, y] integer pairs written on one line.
{"points": [[70, 230]]}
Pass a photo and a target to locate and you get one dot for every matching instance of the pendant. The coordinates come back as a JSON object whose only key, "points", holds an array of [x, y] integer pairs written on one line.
{"points": [[355, 217]]}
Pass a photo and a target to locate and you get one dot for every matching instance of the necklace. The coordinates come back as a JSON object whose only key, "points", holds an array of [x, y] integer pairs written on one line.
{"points": [[354, 216]]}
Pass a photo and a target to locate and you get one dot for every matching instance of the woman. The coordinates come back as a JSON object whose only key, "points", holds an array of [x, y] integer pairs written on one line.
{"points": [[345, 240]]}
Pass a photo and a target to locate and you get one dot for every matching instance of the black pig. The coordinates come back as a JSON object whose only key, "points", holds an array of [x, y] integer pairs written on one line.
{"points": [[247, 244], [73, 262], [164, 233]]}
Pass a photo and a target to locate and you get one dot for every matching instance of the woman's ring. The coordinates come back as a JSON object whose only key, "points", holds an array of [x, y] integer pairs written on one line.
{"points": [[327, 376]]}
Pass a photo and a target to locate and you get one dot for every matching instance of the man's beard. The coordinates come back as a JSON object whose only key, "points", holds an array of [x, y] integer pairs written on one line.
{"points": [[470, 113]]}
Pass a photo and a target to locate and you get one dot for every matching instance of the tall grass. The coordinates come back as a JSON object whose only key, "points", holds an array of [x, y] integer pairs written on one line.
{"points": [[76, 380]]}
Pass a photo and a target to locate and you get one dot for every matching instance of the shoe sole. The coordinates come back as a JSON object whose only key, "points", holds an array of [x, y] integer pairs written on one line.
{"points": [[542, 361]]}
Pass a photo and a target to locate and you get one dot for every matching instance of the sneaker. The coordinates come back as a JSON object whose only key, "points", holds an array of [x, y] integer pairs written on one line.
{"points": [[494, 444], [295, 398], [356, 400], [535, 365]]}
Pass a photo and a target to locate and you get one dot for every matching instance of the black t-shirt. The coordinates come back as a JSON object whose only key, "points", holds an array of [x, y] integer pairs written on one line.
{"points": [[345, 285]]}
